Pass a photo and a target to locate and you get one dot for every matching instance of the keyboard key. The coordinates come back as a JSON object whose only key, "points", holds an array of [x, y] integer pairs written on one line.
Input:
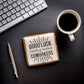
{"points": [[10, 2], [38, 2], [14, 0], [31, 6], [9, 19], [18, 8], [18, 14], [1, 12], [44, 5], [27, 9], [9, 13], [13, 16], [5, 4], [35, 10], [0, 18], [1, 6], [0, 24], [4, 0], [1, 1], [22, 6], [13, 11], [10, 24], [39, 8], [25, 15], [27, 3], [31, 13], [19, 2], [10, 7], [14, 4], [22, 11], [4, 16], [5, 9], [24, 0], [31, 1], [4, 21]]}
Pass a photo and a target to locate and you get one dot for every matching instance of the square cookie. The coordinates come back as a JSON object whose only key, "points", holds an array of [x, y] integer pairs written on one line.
{"points": [[40, 49]]}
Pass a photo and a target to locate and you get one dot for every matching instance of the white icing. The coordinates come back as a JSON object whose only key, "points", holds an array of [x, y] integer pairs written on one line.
{"points": [[41, 49]]}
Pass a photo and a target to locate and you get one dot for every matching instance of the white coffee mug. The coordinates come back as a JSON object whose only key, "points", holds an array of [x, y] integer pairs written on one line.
{"points": [[70, 33]]}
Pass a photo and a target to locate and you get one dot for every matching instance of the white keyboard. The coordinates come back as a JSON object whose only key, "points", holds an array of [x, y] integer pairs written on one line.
{"points": [[15, 11]]}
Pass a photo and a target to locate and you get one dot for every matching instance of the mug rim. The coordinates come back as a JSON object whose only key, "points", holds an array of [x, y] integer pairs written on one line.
{"points": [[77, 17]]}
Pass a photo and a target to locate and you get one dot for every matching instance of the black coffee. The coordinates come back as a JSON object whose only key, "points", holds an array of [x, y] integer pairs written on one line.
{"points": [[68, 22]]}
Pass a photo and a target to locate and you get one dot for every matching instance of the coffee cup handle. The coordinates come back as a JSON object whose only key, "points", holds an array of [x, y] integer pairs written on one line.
{"points": [[71, 37]]}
